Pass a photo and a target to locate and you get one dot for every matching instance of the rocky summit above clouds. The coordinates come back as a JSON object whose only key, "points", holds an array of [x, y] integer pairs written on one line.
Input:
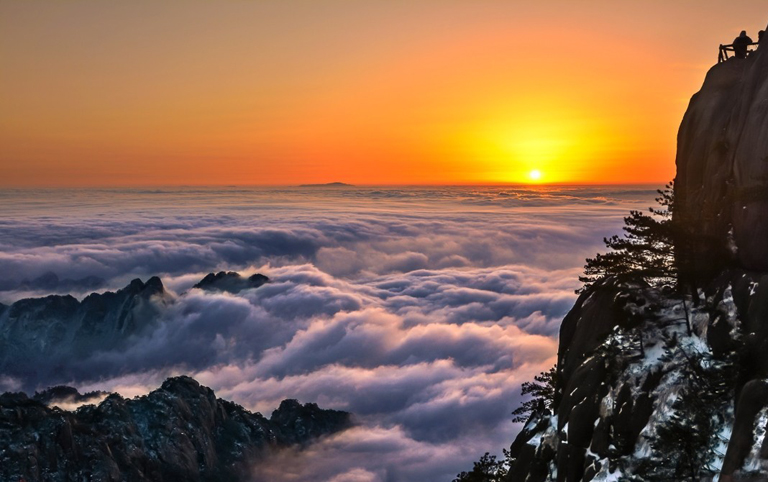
{"points": [[59, 327], [230, 282], [180, 431], [42, 338], [655, 384], [722, 168]]}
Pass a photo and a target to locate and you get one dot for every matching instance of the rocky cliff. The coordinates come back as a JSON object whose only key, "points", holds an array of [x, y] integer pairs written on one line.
{"points": [[43, 339], [39, 334], [179, 432], [722, 169], [662, 384]]}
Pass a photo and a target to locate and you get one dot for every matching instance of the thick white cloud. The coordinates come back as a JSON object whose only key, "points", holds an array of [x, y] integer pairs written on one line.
{"points": [[422, 312]]}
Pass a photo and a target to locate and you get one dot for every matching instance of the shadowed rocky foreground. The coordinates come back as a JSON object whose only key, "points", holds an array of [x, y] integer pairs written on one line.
{"points": [[180, 431]]}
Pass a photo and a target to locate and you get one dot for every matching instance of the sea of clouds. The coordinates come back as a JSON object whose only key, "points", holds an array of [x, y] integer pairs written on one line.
{"points": [[420, 310]]}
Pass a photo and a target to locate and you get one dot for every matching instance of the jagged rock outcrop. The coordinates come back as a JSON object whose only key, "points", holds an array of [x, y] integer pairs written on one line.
{"points": [[721, 187], [230, 282], [62, 394], [179, 432], [47, 340], [722, 203], [602, 405], [56, 328]]}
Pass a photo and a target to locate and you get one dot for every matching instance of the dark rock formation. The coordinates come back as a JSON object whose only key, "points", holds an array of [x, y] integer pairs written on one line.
{"points": [[585, 327], [56, 338], [722, 199], [230, 282], [753, 398], [65, 394], [587, 379], [59, 328], [328, 184], [722, 170], [178, 432]]}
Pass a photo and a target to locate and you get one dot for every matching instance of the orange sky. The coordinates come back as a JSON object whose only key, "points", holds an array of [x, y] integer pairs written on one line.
{"points": [[365, 92]]}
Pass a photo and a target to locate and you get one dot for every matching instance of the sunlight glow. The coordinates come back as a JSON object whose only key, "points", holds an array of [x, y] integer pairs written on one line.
{"points": [[432, 105], [535, 175]]}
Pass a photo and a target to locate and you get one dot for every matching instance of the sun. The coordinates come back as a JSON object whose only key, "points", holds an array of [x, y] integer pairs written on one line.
{"points": [[534, 175]]}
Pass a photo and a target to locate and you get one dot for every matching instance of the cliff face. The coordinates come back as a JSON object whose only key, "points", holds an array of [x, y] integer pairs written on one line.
{"points": [[721, 185], [42, 339], [37, 334], [655, 385], [179, 432], [626, 355]]}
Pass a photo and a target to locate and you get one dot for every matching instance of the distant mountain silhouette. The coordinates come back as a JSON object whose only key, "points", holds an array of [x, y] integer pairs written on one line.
{"points": [[328, 184]]}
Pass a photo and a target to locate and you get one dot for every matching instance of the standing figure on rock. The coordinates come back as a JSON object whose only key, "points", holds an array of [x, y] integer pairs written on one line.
{"points": [[740, 45]]}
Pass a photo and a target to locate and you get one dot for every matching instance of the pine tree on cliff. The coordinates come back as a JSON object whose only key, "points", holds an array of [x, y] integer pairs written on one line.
{"points": [[487, 469], [542, 392], [644, 252]]}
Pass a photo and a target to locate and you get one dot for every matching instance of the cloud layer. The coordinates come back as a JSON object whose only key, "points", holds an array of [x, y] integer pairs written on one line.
{"points": [[421, 311]]}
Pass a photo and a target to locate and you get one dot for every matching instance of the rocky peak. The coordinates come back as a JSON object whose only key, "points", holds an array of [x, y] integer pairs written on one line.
{"points": [[179, 432], [721, 188], [153, 286], [298, 422], [230, 282], [52, 331], [183, 384], [186, 388], [63, 393]]}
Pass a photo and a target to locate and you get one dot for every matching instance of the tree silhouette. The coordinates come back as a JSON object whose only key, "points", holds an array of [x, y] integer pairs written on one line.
{"points": [[542, 390], [487, 469], [644, 252]]}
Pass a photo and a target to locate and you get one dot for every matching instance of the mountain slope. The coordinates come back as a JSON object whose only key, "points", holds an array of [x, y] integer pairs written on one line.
{"points": [[180, 431]]}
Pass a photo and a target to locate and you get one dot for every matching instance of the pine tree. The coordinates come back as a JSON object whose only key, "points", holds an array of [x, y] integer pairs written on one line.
{"points": [[542, 390], [644, 252], [487, 469]]}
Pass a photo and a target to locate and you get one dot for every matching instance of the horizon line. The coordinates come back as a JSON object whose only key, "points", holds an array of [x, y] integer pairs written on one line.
{"points": [[330, 185]]}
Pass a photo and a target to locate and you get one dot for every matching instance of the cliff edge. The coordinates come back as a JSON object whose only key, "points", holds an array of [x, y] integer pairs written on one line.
{"points": [[721, 187], [671, 382]]}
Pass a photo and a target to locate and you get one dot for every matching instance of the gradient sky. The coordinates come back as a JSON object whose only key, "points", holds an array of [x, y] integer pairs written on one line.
{"points": [[99, 93]]}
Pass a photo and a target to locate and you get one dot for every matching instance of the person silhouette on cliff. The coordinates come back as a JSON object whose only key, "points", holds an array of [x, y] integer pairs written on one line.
{"points": [[740, 45]]}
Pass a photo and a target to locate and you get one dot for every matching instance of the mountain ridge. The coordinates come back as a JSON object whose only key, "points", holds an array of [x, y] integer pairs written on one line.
{"points": [[41, 339], [179, 431]]}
